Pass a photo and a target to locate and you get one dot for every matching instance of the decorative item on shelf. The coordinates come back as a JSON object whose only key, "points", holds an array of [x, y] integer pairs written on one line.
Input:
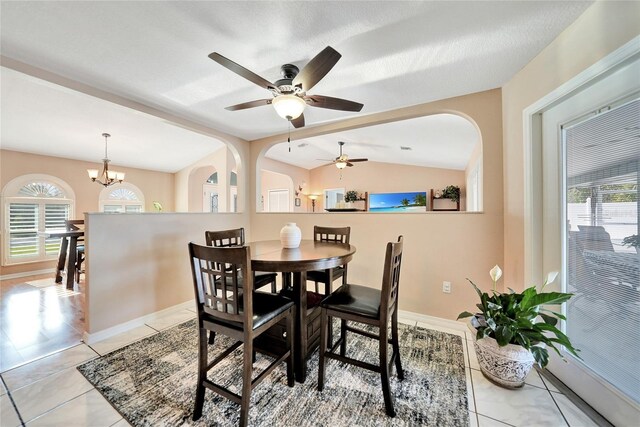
{"points": [[157, 206], [290, 236], [107, 177], [438, 194], [351, 196], [509, 339], [313, 198], [451, 192]]}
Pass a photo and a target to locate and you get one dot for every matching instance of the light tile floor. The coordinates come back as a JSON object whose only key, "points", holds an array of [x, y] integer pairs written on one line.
{"points": [[50, 392]]}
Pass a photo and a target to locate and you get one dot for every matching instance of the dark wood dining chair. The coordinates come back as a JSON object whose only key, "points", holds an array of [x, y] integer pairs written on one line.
{"points": [[329, 275], [227, 304], [77, 225], [235, 237], [372, 307]]}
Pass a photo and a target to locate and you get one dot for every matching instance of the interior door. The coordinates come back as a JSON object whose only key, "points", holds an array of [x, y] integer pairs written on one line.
{"points": [[590, 160]]}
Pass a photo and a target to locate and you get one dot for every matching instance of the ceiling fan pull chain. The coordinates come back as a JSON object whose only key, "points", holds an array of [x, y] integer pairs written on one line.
{"points": [[289, 137]]}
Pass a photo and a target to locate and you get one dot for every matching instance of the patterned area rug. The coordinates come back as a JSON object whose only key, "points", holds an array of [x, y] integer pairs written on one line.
{"points": [[152, 383]]}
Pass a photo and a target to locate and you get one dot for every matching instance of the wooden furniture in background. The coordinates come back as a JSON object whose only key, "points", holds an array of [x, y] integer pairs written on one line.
{"points": [[372, 307], [77, 225], [433, 208], [223, 284], [68, 243], [235, 237], [270, 256]]}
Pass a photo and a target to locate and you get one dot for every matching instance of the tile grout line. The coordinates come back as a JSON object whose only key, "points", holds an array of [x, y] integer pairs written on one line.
{"points": [[475, 404], [62, 404], [558, 406], [13, 403]]}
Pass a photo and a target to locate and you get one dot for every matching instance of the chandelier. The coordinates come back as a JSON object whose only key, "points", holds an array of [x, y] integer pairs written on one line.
{"points": [[107, 177]]}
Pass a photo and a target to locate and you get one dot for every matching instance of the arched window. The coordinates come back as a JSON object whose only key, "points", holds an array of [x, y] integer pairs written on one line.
{"points": [[122, 198], [32, 205], [213, 179]]}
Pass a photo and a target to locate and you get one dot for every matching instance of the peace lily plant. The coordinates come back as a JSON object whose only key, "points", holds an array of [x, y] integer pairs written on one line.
{"points": [[519, 318]]}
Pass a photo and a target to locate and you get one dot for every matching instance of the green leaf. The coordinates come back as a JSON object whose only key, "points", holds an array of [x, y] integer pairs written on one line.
{"points": [[464, 314], [549, 298], [540, 355], [555, 313], [503, 335], [549, 320]]}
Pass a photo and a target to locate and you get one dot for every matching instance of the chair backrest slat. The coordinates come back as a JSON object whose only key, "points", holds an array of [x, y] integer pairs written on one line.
{"points": [[391, 277], [223, 282], [331, 234], [225, 238]]}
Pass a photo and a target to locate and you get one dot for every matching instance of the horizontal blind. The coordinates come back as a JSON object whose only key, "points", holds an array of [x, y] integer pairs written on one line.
{"points": [[603, 263], [23, 229], [133, 208], [55, 216], [112, 209]]}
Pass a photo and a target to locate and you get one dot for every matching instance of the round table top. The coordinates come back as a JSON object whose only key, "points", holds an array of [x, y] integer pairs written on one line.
{"points": [[269, 255]]}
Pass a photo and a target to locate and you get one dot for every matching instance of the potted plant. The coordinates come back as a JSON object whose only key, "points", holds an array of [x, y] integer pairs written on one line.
{"points": [[351, 196], [632, 241], [451, 192], [513, 331]]}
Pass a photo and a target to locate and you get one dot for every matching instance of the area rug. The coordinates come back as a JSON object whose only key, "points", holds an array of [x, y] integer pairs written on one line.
{"points": [[152, 383]]}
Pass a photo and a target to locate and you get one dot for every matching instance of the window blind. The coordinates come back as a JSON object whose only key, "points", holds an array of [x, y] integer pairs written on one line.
{"points": [[23, 229], [603, 263]]}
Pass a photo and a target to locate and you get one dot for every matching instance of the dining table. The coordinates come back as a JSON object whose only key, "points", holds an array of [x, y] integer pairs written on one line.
{"points": [[68, 243], [311, 255]]}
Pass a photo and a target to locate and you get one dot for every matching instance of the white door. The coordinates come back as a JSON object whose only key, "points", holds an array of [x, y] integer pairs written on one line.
{"points": [[278, 201], [590, 160]]}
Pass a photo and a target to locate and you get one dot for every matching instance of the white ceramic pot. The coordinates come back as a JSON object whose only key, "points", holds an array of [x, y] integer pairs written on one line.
{"points": [[507, 366], [290, 236]]}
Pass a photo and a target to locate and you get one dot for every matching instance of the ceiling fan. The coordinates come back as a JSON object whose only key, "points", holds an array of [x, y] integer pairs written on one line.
{"points": [[343, 160], [290, 92]]}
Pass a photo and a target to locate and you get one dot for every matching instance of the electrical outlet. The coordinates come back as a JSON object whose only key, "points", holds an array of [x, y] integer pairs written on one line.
{"points": [[446, 287]]}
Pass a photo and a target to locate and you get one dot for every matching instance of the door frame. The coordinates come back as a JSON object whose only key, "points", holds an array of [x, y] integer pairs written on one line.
{"points": [[623, 409]]}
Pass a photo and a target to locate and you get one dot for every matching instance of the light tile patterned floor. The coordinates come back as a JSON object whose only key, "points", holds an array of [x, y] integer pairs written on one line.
{"points": [[33, 400]]}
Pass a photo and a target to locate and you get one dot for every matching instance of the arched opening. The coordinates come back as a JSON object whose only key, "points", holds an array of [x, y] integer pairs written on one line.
{"points": [[121, 198], [425, 155]]}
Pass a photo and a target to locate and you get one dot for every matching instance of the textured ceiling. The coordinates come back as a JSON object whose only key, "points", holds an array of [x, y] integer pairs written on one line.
{"points": [[43, 118], [440, 141], [394, 54]]}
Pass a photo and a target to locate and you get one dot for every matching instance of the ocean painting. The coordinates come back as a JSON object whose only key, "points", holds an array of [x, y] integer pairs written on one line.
{"points": [[398, 202]]}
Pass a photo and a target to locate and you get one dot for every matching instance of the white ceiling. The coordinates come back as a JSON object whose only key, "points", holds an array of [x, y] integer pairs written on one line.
{"points": [[395, 54], [440, 141], [43, 118]]}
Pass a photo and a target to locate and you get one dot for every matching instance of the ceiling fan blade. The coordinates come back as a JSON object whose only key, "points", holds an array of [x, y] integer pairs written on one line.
{"points": [[333, 103], [299, 122], [317, 68], [349, 164], [358, 160], [243, 72], [325, 160], [250, 104]]}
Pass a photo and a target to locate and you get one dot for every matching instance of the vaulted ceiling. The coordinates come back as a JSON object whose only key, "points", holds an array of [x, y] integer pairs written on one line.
{"points": [[394, 54]]}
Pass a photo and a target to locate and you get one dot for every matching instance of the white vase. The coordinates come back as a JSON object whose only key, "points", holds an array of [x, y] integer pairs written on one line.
{"points": [[507, 366], [290, 236]]}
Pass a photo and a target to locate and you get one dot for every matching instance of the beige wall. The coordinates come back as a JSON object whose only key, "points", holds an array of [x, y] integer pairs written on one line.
{"points": [[601, 29], [299, 176], [145, 258], [438, 245], [376, 177], [154, 185]]}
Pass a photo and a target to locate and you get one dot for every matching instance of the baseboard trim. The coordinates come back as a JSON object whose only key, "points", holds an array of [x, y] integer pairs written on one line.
{"points": [[134, 323], [27, 273], [437, 321]]}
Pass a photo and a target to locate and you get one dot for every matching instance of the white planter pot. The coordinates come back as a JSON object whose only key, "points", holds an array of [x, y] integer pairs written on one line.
{"points": [[506, 366], [290, 236]]}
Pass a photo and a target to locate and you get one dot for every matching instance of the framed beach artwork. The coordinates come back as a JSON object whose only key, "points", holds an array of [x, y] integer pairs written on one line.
{"points": [[415, 201]]}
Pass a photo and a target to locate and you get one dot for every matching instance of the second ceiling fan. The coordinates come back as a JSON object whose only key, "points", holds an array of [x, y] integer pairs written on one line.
{"points": [[343, 160], [290, 95]]}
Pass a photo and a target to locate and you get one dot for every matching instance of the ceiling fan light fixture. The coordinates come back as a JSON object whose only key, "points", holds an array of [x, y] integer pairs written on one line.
{"points": [[289, 106], [341, 165]]}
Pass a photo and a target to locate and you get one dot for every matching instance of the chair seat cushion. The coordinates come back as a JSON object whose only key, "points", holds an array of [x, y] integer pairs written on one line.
{"points": [[265, 307], [322, 276], [262, 278], [355, 299]]}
